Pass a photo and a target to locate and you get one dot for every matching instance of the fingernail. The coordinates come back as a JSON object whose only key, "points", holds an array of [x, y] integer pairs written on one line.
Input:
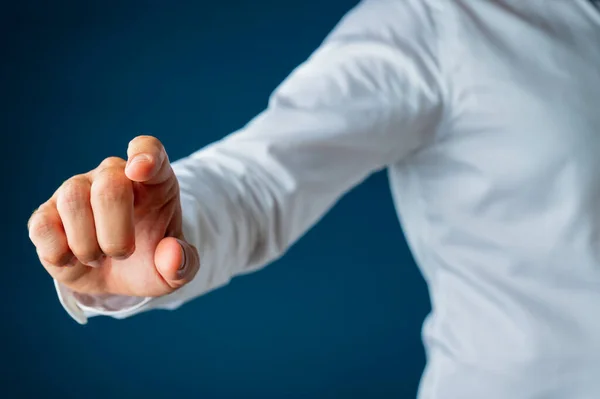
{"points": [[181, 270], [96, 263], [140, 158], [124, 257]]}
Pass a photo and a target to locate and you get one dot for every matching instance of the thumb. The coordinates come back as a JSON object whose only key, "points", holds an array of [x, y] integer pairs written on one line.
{"points": [[176, 261]]}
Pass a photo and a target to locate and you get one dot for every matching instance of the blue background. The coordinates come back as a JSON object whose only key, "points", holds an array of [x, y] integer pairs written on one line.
{"points": [[338, 317]]}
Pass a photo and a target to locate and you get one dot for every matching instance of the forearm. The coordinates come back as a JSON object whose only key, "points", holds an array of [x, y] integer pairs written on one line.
{"points": [[248, 198]]}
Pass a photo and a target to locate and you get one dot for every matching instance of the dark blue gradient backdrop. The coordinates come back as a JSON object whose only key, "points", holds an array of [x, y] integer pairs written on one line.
{"points": [[338, 317]]}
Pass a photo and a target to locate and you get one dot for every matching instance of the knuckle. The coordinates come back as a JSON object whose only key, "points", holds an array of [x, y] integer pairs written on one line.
{"points": [[41, 225], [33, 215], [74, 193], [112, 186], [112, 162]]}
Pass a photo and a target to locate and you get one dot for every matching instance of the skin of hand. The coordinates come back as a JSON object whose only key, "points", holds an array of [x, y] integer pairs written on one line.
{"points": [[118, 228]]}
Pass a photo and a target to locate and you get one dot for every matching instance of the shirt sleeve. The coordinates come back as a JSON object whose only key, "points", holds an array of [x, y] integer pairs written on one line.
{"points": [[369, 96]]}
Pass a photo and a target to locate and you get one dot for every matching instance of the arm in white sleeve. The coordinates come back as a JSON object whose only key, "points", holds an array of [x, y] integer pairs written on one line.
{"points": [[368, 97]]}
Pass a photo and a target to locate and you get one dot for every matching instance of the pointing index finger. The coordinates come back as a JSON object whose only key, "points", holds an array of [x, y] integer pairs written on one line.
{"points": [[147, 162]]}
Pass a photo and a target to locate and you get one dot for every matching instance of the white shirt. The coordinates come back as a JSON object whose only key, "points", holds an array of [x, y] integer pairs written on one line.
{"points": [[487, 115]]}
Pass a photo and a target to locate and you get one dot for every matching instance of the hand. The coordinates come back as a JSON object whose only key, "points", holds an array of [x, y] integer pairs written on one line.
{"points": [[117, 229]]}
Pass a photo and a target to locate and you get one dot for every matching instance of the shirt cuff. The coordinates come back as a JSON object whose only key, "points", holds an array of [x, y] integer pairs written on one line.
{"points": [[82, 306]]}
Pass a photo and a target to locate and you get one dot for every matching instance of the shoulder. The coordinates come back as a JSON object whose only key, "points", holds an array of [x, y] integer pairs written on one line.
{"points": [[391, 21]]}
